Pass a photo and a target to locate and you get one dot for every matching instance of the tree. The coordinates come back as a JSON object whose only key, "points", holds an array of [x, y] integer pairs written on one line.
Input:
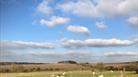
{"points": [[100, 66], [136, 71]]}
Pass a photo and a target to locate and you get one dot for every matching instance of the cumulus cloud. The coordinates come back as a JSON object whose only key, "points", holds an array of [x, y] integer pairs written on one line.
{"points": [[54, 21], [73, 43], [44, 8], [24, 45], [100, 25], [114, 8], [78, 29], [96, 43], [80, 7], [133, 21], [102, 8], [128, 7]]}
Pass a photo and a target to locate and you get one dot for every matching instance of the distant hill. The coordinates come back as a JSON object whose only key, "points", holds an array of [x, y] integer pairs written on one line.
{"points": [[8, 63]]}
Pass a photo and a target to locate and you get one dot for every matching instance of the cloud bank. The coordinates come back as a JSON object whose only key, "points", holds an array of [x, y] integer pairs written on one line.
{"points": [[96, 43], [25, 45]]}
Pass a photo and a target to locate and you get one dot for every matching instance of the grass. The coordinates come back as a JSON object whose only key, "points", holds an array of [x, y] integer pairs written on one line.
{"points": [[69, 74]]}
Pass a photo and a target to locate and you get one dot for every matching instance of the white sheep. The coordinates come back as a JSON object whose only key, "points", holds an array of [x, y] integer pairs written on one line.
{"points": [[63, 73], [111, 71], [101, 76], [93, 73]]}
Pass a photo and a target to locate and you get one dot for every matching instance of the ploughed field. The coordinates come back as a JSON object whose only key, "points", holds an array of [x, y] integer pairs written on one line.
{"points": [[71, 74]]}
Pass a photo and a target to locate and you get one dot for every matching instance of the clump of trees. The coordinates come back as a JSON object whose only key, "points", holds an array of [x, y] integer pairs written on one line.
{"points": [[100, 66], [136, 71], [68, 62], [25, 69]]}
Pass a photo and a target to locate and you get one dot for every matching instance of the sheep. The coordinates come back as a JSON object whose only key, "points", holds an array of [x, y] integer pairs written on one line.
{"points": [[111, 71], [63, 73], [93, 73], [101, 75], [57, 76]]}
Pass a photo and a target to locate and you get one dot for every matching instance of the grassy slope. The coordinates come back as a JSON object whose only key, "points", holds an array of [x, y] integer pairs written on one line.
{"points": [[68, 74]]}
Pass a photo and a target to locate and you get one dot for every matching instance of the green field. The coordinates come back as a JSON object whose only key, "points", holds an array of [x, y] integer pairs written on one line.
{"points": [[70, 74]]}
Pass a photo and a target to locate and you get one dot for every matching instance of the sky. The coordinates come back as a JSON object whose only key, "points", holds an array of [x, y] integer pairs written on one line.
{"points": [[49, 31]]}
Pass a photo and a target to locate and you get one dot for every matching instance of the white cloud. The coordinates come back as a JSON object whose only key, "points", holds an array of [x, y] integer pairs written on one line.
{"points": [[112, 8], [96, 43], [78, 29], [24, 45], [100, 25], [121, 54], [80, 7], [54, 21], [107, 8], [128, 7], [44, 8], [102, 8], [107, 42], [133, 21], [73, 43]]}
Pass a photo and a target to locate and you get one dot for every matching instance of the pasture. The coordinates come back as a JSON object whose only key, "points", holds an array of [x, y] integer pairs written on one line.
{"points": [[71, 74]]}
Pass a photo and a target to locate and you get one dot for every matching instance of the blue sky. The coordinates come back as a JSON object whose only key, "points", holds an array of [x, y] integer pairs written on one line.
{"points": [[81, 30]]}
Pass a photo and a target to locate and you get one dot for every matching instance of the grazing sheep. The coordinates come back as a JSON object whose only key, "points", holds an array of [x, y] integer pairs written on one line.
{"points": [[101, 76], [93, 73], [57, 76], [60, 75], [111, 71], [63, 73]]}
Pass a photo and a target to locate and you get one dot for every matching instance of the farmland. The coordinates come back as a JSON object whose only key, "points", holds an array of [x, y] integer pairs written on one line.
{"points": [[70, 74], [69, 70]]}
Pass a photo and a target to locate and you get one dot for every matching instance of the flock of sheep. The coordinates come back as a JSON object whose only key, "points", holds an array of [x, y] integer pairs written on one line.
{"points": [[59, 75], [93, 74], [64, 74]]}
